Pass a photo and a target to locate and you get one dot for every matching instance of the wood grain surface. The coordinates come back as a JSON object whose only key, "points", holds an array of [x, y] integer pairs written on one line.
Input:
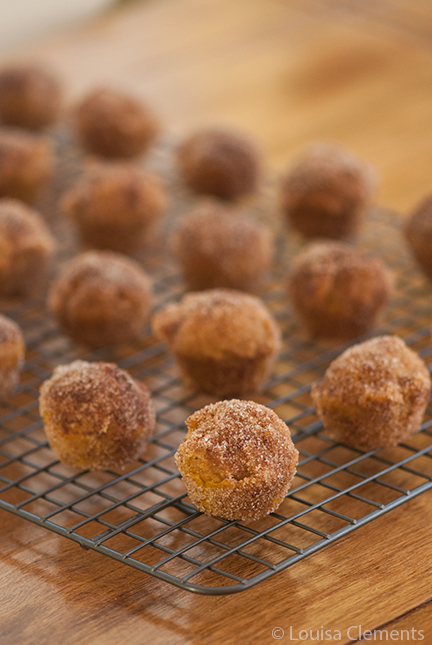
{"points": [[286, 71]]}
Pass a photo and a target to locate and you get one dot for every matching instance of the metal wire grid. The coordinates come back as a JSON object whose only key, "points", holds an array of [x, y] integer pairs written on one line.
{"points": [[143, 517]]}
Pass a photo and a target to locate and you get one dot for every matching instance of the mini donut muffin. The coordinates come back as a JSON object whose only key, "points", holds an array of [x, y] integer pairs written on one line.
{"points": [[337, 291], [220, 163], [95, 415], [26, 164], [115, 205], [418, 232], [112, 124], [12, 351], [30, 97], [374, 394], [326, 192], [216, 247], [224, 342], [101, 298], [237, 460], [26, 250]]}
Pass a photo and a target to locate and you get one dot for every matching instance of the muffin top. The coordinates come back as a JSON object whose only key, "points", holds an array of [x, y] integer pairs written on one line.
{"points": [[10, 332], [218, 323], [106, 275], [113, 192], [325, 270], [85, 398], [22, 227], [327, 171], [380, 369], [239, 439]]}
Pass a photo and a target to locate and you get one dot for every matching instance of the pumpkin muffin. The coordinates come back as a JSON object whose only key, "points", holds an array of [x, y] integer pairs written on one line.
{"points": [[26, 250], [230, 249], [327, 192], [224, 342], [237, 460], [12, 352], [337, 291], [220, 163], [30, 97], [418, 232], [115, 206], [112, 124], [374, 395], [96, 416], [26, 164], [101, 298]]}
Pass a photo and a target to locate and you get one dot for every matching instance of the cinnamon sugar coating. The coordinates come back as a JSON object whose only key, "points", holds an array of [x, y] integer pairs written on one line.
{"points": [[373, 395], [337, 291], [220, 163], [237, 460], [418, 232], [95, 415], [115, 206], [26, 249], [101, 298], [217, 247], [326, 192], [112, 124], [30, 97], [12, 350], [224, 342], [26, 164]]}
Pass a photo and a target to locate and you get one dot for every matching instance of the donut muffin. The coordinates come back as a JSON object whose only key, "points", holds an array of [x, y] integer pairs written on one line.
{"points": [[373, 395], [26, 164], [12, 352], [26, 250], [95, 415], [101, 298], [220, 163], [112, 124], [224, 342], [30, 97], [115, 206], [237, 460], [337, 291], [418, 232], [326, 192], [230, 250]]}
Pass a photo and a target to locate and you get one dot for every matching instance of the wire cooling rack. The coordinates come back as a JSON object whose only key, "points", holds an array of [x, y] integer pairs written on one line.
{"points": [[143, 517]]}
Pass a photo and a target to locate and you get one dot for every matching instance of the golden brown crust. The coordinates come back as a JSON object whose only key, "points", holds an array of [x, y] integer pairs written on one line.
{"points": [[337, 291], [326, 192], [96, 415], [26, 249], [237, 460], [112, 124], [374, 394], [115, 205], [224, 342], [418, 232], [12, 350], [30, 97], [220, 163], [26, 164], [101, 298], [217, 247]]}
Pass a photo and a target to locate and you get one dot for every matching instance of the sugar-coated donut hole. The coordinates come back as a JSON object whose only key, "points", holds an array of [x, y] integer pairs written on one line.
{"points": [[237, 460]]}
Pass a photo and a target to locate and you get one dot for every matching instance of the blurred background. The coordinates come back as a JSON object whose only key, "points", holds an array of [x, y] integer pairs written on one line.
{"points": [[358, 72], [24, 20]]}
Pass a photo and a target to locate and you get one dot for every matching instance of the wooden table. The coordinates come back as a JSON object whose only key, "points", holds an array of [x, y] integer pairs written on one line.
{"points": [[288, 71]]}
